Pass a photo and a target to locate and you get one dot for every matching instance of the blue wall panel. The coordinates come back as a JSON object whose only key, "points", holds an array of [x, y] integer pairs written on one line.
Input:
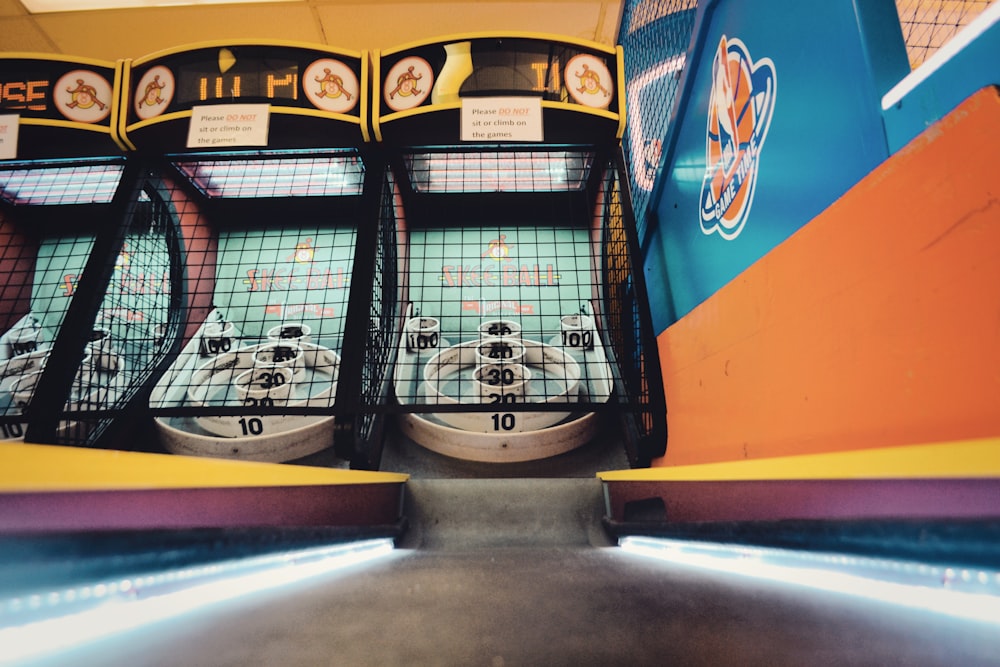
{"points": [[796, 114]]}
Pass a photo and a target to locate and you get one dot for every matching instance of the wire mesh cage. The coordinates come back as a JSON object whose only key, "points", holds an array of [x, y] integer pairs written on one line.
{"points": [[90, 298], [269, 251], [655, 38], [374, 323], [929, 24], [503, 345], [629, 333]]}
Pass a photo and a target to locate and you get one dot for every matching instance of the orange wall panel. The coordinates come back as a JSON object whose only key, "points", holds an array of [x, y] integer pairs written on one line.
{"points": [[17, 267], [877, 324], [201, 246]]}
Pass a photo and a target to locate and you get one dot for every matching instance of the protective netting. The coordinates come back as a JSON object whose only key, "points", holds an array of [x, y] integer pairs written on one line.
{"points": [[360, 432], [624, 298], [269, 248], [270, 306], [929, 24], [521, 314], [89, 302], [655, 38]]}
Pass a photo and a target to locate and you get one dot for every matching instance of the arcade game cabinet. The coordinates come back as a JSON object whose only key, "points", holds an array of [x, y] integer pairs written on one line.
{"points": [[508, 238], [260, 145]]}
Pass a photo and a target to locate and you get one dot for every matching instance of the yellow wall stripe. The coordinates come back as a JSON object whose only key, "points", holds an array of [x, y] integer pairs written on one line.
{"points": [[962, 459], [26, 467]]}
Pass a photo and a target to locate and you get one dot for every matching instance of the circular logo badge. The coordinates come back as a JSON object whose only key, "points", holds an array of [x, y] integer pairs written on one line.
{"points": [[739, 115], [589, 81], [154, 92], [331, 85], [408, 83], [83, 96]]}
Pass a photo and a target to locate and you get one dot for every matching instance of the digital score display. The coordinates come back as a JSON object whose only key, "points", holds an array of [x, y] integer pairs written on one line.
{"points": [[244, 82], [56, 90], [277, 75], [26, 94]]}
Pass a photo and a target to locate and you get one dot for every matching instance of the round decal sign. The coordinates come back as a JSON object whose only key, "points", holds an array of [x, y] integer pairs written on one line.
{"points": [[589, 81], [83, 96], [408, 83], [331, 85], [154, 92]]}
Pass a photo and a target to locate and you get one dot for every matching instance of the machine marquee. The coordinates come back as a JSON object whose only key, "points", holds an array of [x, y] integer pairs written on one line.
{"points": [[479, 67], [56, 90], [279, 75], [540, 88]]}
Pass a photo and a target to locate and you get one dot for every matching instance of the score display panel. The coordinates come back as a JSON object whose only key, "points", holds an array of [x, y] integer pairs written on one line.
{"points": [[577, 83], [315, 96], [63, 107]]}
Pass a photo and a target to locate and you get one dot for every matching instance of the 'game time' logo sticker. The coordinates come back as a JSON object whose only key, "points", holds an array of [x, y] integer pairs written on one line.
{"points": [[739, 115]]}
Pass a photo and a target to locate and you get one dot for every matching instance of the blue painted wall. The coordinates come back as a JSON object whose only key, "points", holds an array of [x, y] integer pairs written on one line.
{"points": [[810, 128]]}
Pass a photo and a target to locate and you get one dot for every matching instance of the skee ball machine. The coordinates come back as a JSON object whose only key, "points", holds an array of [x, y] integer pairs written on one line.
{"points": [[260, 145], [87, 291], [524, 330]]}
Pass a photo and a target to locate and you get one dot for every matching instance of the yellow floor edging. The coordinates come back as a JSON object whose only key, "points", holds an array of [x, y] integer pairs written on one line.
{"points": [[28, 467], [961, 459]]}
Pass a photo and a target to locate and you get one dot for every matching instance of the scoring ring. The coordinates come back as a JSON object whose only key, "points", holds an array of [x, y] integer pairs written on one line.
{"points": [[455, 358], [222, 370]]}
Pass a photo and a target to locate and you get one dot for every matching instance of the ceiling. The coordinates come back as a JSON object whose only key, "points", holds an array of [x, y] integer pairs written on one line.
{"points": [[346, 24]]}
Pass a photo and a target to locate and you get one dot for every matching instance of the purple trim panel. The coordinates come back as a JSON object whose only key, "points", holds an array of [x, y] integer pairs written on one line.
{"points": [[812, 499], [272, 506]]}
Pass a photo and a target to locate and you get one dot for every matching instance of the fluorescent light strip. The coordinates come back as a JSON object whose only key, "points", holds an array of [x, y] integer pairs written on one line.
{"points": [[960, 592], [117, 606], [499, 172], [302, 177], [61, 185], [50, 6]]}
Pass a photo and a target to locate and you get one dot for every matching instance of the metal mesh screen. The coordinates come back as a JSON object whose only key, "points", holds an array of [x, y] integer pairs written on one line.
{"points": [[510, 344], [56, 184], [270, 244], [383, 323], [627, 321], [90, 301], [929, 24], [654, 36], [288, 176], [507, 283]]}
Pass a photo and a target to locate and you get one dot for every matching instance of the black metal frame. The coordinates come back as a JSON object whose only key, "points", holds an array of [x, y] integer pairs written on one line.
{"points": [[637, 403], [354, 435], [373, 318], [637, 355], [386, 211], [136, 212]]}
